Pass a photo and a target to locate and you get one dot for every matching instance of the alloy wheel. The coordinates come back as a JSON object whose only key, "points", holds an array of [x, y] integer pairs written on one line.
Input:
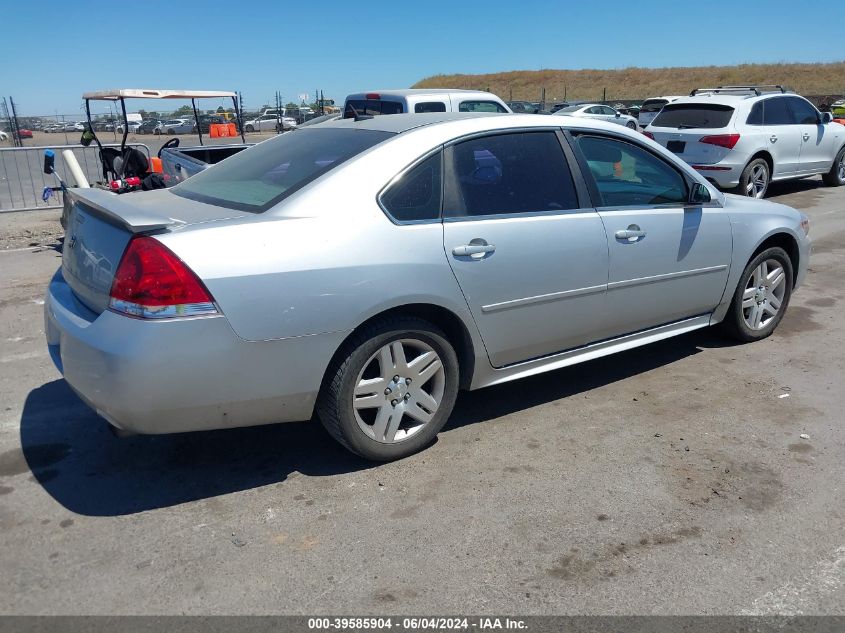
{"points": [[757, 182], [399, 390], [842, 167], [763, 296]]}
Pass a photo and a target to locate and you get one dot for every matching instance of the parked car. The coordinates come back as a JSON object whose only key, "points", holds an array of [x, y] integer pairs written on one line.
{"points": [[150, 126], [525, 107], [598, 112], [651, 107], [206, 121], [269, 123], [73, 126], [744, 138], [24, 133], [4, 135], [132, 125], [53, 128], [321, 119], [419, 101], [178, 126], [558, 106], [162, 333]]}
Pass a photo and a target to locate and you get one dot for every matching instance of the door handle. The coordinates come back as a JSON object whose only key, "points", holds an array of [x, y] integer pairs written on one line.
{"points": [[773, 139], [806, 137], [475, 249], [632, 234]]}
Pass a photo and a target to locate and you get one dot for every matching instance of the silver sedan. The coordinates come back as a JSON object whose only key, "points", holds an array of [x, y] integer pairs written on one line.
{"points": [[368, 270], [598, 112]]}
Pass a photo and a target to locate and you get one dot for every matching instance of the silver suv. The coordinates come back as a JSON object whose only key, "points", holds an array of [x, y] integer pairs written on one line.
{"points": [[744, 137]]}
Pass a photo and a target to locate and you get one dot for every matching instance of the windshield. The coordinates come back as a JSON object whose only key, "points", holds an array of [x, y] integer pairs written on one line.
{"points": [[261, 176], [574, 108], [693, 115]]}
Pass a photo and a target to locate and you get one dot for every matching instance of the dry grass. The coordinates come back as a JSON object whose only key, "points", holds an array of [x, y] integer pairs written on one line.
{"points": [[640, 83]]}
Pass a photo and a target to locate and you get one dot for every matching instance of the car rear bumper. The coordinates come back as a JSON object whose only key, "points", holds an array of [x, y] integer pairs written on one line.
{"points": [[182, 374], [724, 174]]}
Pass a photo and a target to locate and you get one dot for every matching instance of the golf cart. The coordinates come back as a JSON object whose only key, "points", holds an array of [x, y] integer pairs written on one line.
{"points": [[127, 169]]}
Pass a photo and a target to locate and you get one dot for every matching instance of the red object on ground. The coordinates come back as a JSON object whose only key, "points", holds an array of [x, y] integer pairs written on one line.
{"points": [[24, 133]]}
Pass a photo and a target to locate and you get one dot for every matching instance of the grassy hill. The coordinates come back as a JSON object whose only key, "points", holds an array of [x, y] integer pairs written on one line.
{"points": [[640, 83]]}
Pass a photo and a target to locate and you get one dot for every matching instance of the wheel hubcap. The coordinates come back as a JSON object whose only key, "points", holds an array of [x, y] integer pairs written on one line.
{"points": [[842, 167], [757, 182], [762, 298], [399, 390]]}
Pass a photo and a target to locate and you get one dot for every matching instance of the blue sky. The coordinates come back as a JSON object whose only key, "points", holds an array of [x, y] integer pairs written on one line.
{"points": [[57, 50]]}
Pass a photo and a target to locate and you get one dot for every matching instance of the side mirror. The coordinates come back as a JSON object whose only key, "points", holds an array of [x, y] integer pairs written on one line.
{"points": [[699, 194], [618, 115], [827, 117]]}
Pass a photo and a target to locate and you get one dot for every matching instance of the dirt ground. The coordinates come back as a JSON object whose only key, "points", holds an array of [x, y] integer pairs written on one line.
{"points": [[692, 476]]}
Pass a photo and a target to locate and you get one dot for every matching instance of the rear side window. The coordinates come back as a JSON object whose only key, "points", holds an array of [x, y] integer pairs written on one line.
{"points": [[480, 106], [370, 107], [431, 106], [416, 195], [802, 112], [776, 112], [509, 173], [693, 115], [629, 176], [755, 117], [261, 176]]}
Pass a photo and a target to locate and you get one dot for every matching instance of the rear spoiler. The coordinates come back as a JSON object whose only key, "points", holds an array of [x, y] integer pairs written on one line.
{"points": [[118, 209]]}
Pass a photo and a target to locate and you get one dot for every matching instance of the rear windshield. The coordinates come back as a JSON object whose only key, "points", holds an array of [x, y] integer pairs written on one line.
{"points": [[653, 105], [693, 115], [261, 176], [372, 107]]}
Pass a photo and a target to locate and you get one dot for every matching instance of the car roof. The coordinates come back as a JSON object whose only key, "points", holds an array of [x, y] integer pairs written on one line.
{"points": [[399, 123]]}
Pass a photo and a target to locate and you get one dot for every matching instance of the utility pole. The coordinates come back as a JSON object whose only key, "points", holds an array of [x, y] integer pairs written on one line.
{"points": [[604, 95]]}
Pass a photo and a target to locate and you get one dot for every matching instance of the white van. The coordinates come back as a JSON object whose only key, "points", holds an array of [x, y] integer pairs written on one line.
{"points": [[378, 102]]}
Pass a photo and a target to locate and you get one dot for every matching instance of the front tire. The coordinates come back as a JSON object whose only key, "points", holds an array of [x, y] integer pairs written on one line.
{"points": [[836, 176], [631, 125], [249, 128], [761, 297], [391, 389], [755, 178]]}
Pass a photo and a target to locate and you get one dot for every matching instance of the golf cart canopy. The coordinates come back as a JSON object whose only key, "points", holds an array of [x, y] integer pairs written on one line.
{"points": [[138, 93], [121, 94]]}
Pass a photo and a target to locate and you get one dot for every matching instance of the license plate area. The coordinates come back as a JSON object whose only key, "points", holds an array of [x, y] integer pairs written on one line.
{"points": [[676, 146]]}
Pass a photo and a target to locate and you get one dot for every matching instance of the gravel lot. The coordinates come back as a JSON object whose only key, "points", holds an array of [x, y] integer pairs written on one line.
{"points": [[672, 479]]}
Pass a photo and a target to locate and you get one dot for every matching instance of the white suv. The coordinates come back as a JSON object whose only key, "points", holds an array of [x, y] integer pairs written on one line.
{"points": [[744, 137]]}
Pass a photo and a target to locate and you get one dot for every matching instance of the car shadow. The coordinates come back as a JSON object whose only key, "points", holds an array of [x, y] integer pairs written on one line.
{"points": [[82, 465], [788, 187]]}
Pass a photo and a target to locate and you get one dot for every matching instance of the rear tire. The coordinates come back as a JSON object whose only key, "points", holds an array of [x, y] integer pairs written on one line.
{"points": [[755, 179], [761, 296], [836, 176], [631, 125], [372, 414], [249, 128]]}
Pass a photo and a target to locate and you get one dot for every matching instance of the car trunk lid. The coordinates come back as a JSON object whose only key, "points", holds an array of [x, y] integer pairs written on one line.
{"points": [[100, 225]]}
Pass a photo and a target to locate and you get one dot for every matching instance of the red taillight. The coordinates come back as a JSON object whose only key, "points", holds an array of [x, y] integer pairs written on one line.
{"points": [[373, 95], [152, 282], [649, 135], [722, 140]]}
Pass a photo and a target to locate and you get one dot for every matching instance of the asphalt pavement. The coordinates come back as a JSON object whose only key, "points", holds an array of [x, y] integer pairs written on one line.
{"points": [[671, 479]]}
